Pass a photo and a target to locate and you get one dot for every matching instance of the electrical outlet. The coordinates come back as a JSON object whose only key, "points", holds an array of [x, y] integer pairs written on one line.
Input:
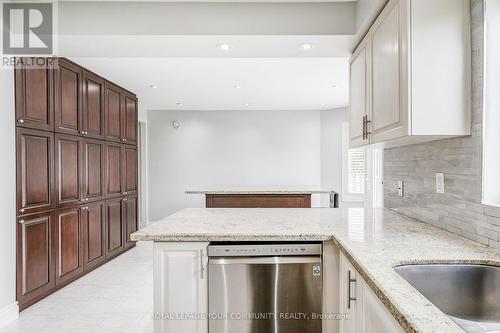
{"points": [[439, 182], [401, 185]]}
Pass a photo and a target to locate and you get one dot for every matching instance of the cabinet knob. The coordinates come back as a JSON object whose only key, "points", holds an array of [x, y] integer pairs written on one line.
{"points": [[20, 121], [21, 221], [21, 210]]}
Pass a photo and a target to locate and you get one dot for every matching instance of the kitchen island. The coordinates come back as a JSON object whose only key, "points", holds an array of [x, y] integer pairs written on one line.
{"points": [[263, 196], [371, 242]]}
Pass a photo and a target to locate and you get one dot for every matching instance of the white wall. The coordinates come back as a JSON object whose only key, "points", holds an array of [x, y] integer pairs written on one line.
{"points": [[239, 148], [7, 198], [331, 149]]}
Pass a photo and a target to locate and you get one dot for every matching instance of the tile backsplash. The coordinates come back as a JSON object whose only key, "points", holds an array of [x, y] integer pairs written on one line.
{"points": [[459, 209]]}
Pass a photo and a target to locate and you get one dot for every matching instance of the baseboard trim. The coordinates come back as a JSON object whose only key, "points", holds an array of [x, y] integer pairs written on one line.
{"points": [[8, 314]]}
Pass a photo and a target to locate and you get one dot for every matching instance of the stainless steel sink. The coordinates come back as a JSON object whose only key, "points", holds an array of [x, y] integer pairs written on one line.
{"points": [[468, 294]]}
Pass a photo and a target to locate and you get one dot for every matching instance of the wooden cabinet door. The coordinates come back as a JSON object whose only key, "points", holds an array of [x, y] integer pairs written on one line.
{"points": [[35, 173], [35, 253], [93, 170], [129, 170], [114, 227], [130, 219], [389, 119], [68, 101], [113, 111], [183, 265], [69, 249], [129, 118], [34, 93], [359, 98], [114, 170], [68, 170], [93, 106], [94, 234]]}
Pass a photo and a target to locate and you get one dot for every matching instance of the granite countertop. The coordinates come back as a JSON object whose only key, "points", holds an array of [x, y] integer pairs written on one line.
{"points": [[374, 241], [261, 190]]}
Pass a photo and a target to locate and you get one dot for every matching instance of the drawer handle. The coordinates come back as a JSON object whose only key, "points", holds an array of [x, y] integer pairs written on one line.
{"points": [[349, 281]]}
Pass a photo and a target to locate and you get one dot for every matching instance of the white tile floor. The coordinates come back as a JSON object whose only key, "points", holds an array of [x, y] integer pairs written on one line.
{"points": [[115, 298]]}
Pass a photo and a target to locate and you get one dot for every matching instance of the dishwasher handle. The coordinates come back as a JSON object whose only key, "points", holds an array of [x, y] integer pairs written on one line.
{"points": [[264, 260]]}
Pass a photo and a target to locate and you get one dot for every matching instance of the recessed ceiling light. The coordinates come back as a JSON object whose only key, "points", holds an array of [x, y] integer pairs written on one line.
{"points": [[306, 46], [152, 86], [224, 47], [237, 86]]}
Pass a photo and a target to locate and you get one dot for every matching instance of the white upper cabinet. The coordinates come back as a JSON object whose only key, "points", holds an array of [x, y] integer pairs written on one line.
{"points": [[416, 84], [359, 94]]}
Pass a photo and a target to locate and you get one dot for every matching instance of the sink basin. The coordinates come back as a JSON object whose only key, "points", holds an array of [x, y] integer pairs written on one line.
{"points": [[468, 294]]}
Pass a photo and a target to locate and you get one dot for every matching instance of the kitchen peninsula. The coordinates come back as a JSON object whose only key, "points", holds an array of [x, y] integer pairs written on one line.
{"points": [[263, 197], [360, 250]]}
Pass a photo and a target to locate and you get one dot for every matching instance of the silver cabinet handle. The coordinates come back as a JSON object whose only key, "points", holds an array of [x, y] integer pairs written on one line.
{"points": [[364, 127], [202, 264], [20, 121], [349, 281], [21, 221], [21, 210]]}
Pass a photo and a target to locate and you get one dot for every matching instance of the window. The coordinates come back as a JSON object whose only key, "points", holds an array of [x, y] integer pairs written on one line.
{"points": [[353, 169]]}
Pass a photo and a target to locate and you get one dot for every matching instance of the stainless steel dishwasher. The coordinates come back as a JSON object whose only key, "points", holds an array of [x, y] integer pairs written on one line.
{"points": [[265, 288]]}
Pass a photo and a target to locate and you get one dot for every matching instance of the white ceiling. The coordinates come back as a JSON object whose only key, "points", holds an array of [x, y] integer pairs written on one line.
{"points": [[209, 83]]}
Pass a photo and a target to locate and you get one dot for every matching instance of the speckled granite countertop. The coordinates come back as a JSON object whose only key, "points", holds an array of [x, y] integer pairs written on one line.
{"points": [[374, 241]]}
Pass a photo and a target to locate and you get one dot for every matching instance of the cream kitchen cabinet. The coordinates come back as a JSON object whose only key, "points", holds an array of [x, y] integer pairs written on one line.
{"points": [[415, 82], [181, 287], [366, 313]]}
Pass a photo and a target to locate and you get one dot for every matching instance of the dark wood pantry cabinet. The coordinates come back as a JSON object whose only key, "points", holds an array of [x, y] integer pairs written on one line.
{"points": [[76, 155]]}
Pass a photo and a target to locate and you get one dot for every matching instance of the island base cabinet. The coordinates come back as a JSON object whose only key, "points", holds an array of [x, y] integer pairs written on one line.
{"points": [[181, 286], [366, 313]]}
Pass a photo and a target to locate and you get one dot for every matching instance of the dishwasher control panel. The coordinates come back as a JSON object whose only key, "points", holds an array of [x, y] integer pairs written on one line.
{"points": [[249, 250]]}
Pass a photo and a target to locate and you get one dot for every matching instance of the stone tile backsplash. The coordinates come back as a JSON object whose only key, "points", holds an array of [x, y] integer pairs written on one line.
{"points": [[459, 209]]}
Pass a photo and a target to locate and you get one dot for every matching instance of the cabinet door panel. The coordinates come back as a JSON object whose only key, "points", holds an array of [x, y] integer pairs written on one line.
{"points": [[68, 82], [34, 94], [69, 257], [113, 112], [93, 169], [130, 170], [93, 105], [129, 119], [34, 171], [68, 169], [35, 267], [358, 94], [389, 114], [114, 227], [130, 216], [94, 226], [114, 170]]}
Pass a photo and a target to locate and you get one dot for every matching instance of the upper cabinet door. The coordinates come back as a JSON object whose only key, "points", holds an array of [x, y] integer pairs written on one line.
{"points": [[68, 92], [389, 117], [35, 256], [93, 105], [129, 119], [34, 94], [93, 170], [69, 249], [35, 172], [359, 107], [68, 170], [113, 111], [114, 172], [130, 170]]}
